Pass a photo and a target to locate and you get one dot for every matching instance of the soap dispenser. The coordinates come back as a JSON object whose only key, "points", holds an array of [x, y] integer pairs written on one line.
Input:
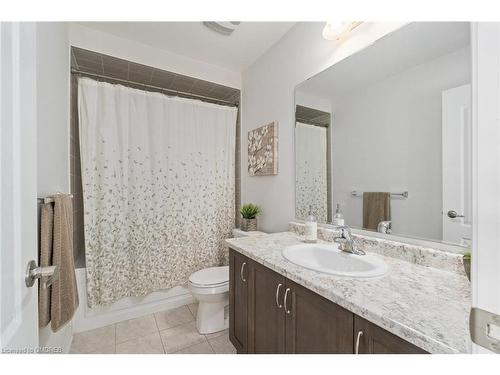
{"points": [[311, 234], [338, 218]]}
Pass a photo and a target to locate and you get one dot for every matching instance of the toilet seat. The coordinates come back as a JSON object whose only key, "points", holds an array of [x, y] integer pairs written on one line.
{"points": [[212, 277]]}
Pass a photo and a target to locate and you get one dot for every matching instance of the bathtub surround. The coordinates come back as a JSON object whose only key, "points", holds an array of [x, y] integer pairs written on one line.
{"points": [[87, 318], [156, 209], [426, 306]]}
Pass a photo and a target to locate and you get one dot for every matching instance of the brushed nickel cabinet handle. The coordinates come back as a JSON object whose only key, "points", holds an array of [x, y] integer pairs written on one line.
{"points": [[285, 299], [243, 266], [278, 295], [360, 333]]}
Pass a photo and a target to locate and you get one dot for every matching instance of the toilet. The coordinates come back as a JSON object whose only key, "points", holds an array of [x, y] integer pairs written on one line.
{"points": [[210, 287]]}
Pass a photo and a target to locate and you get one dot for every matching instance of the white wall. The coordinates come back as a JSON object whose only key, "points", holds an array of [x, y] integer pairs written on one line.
{"points": [[53, 131], [97, 41], [388, 137], [53, 108], [268, 95]]}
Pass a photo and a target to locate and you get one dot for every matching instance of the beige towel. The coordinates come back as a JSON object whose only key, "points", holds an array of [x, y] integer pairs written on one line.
{"points": [[64, 295], [376, 208], [46, 231]]}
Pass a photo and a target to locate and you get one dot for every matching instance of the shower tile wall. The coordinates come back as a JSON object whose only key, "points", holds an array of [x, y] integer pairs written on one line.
{"points": [[76, 179], [167, 82]]}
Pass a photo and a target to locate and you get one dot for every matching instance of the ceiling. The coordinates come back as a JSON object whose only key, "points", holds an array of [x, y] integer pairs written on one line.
{"points": [[403, 49], [192, 39]]}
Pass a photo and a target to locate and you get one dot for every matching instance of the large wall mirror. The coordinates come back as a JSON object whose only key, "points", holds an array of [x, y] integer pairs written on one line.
{"points": [[385, 136]]}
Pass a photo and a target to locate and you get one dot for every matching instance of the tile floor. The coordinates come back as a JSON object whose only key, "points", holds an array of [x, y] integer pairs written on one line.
{"points": [[171, 331]]}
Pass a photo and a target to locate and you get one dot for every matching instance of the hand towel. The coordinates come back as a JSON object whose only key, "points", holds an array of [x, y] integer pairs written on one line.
{"points": [[376, 208], [64, 294], [46, 232]]}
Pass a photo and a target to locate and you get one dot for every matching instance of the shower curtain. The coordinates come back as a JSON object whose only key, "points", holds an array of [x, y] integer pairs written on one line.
{"points": [[158, 188], [311, 171]]}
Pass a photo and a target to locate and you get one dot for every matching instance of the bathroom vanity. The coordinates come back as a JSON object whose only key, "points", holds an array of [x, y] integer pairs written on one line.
{"points": [[279, 307]]}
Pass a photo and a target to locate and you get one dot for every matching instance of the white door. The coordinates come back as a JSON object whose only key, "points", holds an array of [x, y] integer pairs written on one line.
{"points": [[485, 271], [457, 165], [18, 220]]}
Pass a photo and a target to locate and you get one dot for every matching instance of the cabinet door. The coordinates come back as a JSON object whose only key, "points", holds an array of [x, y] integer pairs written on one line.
{"points": [[266, 319], [375, 340], [316, 325], [238, 301]]}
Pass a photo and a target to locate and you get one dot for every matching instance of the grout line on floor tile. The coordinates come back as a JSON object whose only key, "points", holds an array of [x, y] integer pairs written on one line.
{"points": [[209, 343], [163, 343], [192, 313], [156, 322], [161, 338]]}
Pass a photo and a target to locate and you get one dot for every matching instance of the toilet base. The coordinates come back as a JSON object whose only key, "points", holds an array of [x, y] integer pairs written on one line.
{"points": [[210, 317]]}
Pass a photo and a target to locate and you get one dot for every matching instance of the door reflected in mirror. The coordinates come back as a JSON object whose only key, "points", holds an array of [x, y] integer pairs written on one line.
{"points": [[385, 136]]}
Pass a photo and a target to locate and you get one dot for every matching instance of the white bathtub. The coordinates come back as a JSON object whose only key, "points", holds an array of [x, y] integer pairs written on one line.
{"points": [[126, 308]]}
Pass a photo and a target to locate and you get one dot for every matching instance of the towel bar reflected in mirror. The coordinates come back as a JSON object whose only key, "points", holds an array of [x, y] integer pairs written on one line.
{"points": [[356, 193]]}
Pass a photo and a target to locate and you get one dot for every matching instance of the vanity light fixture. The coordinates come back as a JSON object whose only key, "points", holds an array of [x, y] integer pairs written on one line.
{"points": [[339, 31], [223, 28]]}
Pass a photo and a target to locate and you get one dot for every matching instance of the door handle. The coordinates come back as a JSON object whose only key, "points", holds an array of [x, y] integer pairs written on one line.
{"points": [[285, 299], [243, 266], [453, 214], [34, 273], [278, 295], [356, 350]]}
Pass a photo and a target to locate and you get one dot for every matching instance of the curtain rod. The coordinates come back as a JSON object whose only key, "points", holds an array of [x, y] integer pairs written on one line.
{"points": [[177, 93], [312, 123]]}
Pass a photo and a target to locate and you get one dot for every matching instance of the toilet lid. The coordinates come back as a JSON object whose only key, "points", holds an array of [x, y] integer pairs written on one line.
{"points": [[210, 276]]}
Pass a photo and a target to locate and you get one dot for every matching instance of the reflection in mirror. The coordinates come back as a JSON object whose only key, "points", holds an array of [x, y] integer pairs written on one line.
{"points": [[312, 132], [395, 150]]}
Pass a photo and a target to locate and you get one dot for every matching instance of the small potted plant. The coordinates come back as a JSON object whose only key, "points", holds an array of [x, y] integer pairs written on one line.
{"points": [[466, 259], [249, 214]]}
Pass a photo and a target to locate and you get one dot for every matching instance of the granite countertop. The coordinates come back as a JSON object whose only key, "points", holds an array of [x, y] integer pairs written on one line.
{"points": [[426, 306]]}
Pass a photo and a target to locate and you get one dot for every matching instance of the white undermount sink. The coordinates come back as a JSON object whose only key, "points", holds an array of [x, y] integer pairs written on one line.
{"points": [[327, 258]]}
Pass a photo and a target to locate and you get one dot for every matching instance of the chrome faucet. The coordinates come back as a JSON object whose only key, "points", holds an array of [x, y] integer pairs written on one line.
{"points": [[385, 227], [345, 241]]}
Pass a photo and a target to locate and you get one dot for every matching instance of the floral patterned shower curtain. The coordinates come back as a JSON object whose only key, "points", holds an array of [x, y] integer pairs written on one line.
{"points": [[158, 187]]}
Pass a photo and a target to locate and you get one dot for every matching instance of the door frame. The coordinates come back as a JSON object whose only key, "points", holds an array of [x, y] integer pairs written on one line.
{"points": [[485, 275]]}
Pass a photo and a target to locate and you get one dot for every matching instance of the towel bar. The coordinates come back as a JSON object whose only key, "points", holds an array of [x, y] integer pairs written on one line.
{"points": [[403, 194], [50, 199]]}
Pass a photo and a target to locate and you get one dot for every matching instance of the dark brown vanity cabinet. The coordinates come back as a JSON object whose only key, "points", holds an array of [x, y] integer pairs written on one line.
{"points": [[270, 314], [266, 318], [371, 339], [238, 301], [315, 325]]}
